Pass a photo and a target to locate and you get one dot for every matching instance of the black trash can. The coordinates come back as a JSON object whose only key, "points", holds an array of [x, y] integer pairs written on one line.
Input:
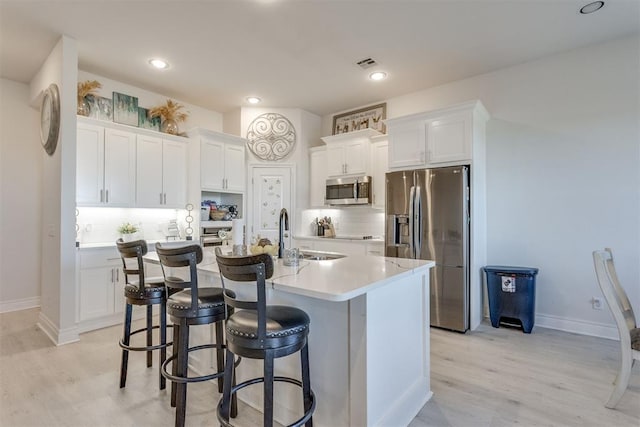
{"points": [[512, 295]]}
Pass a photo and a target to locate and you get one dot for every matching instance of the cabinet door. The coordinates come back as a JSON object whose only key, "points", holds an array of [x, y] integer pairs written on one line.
{"points": [[335, 160], [211, 165], [449, 139], [234, 168], [407, 144], [96, 292], [317, 177], [355, 158], [119, 168], [379, 157], [90, 165], [174, 174], [149, 192]]}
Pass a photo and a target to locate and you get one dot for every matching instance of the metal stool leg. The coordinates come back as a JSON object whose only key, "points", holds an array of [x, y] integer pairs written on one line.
{"points": [[268, 389], [219, 353], [149, 335], [163, 341], [183, 366], [306, 382], [174, 364], [125, 340]]}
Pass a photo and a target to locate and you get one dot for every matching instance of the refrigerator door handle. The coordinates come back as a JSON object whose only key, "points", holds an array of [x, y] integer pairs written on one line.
{"points": [[412, 223], [417, 233]]}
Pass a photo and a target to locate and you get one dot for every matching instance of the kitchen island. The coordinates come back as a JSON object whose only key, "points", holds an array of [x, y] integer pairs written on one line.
{"points": [[368, 340]]}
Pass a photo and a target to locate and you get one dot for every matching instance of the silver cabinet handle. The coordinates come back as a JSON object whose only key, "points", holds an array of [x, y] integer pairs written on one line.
{"points": [[117, 275], [165, 198], [160, 198], [112, 275], [101, 196]]}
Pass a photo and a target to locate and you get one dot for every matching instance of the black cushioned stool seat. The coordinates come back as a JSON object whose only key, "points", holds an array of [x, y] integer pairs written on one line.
{"points": [[190, 305], [260, 331], [141, 290]]}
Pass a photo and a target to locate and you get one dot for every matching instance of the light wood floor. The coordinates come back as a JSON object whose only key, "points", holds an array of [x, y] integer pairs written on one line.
{"points": [[490, 377]]}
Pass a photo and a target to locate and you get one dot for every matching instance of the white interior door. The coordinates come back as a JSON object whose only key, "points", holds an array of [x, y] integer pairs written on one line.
{"points": [[271, 191]]}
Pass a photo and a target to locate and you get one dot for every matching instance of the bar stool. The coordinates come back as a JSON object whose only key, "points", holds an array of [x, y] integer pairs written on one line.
{"points": [[190, 306], [261, 331], [148, 291]]}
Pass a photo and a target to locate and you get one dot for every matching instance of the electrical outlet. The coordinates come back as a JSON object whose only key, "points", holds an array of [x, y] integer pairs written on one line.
{"points": [[596, 303]]}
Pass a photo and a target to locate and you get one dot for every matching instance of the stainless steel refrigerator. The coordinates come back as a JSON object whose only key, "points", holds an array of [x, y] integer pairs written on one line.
{"points": [[427, 217]]}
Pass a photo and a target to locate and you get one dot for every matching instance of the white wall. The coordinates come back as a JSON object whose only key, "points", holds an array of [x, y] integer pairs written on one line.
{"points": [[58, 262], [563, 172], [198, 116], [307, 127], [21, 207]]}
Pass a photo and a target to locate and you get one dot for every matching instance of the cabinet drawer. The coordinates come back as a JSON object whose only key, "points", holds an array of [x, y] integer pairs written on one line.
{"points": [[102, 257]]}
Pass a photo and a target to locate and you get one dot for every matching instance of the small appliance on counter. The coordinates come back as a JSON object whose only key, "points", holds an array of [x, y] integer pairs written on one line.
{"points": [[173, 232]]}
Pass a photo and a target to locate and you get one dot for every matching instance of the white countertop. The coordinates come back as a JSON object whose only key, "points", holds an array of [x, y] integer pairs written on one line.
{"points": [[332, 280], [150, 243]]}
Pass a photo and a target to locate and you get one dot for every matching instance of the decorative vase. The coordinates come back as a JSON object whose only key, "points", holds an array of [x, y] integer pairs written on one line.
{"points": [[170, 126], [129, 237], [83, 107]]}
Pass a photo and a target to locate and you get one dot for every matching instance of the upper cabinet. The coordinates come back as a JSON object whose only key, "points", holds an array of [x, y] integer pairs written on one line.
{"points": [[436, 138], [105, 166], [379, 168], [222, 161], [348, 153], [122, 166], [161, 173], [317, 176]]}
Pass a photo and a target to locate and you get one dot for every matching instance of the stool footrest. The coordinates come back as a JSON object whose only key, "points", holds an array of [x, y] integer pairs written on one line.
{"points": [[307, 415], [145, 348], [165, 373]]}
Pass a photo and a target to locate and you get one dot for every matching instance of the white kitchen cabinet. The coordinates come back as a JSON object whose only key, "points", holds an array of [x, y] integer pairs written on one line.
{"points": [[379, 166], [317, 176], [348, 153], [161, 173], [222, 161], [449, 138], [435, 138], [105, 166], [100, 288]]}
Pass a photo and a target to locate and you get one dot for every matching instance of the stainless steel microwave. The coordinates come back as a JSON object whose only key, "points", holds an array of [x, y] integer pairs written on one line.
{"points": [[348, 191]]}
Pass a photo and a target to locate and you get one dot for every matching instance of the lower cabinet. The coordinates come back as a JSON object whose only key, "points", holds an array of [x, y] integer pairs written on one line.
{"points": [[100, 289]]}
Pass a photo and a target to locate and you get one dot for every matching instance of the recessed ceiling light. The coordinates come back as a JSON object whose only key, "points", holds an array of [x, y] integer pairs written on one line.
{"points": [[592, 7], [158, 63], [378, 75], [253, 100]]}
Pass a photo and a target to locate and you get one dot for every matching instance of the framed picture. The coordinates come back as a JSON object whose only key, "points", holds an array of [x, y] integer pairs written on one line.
{"points": [[364, 118], [100, 108], [125, 109], [145, 122]]}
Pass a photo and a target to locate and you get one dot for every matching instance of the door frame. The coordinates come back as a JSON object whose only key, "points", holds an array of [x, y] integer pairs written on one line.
{"points": [[250, 196]]}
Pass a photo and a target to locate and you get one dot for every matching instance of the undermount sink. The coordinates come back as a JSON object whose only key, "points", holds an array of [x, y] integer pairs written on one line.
{"points": [[320, 256]]}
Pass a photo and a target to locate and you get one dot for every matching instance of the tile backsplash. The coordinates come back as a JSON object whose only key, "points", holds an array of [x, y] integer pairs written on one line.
{"points": [[352, 221], [100, 225]]}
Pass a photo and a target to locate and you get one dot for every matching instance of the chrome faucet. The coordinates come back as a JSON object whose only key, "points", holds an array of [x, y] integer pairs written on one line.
{"points": [[283, 216]]}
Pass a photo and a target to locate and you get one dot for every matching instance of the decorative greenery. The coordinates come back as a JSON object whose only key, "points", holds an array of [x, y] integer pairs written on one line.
{"points": [[88, 87], [127, 228], [169, 111]]}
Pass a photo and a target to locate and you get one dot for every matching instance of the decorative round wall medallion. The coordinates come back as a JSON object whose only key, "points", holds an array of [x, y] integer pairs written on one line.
{"points": [[271, 136]]}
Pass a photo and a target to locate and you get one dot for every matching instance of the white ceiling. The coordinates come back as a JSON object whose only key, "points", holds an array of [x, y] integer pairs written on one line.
{"points": [[300, 53]]}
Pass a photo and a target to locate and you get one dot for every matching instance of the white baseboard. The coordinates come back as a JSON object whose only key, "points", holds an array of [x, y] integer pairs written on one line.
{"points": [[19, 304], [58, 336], [575, 326]]}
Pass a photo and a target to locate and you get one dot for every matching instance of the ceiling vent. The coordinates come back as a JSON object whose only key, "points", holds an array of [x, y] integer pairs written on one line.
{"points": [[367, 63]]}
